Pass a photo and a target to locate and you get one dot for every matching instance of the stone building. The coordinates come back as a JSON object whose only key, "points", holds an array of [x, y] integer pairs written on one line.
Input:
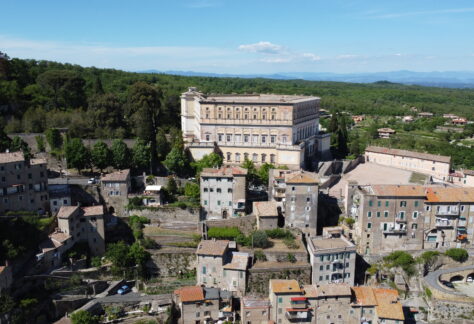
{"points": [[203, 305], [435, 165], [218, 266], [59, 195], [462, 178], [278, 129], [254, 310], [23, 184], [450, 217], [385, 132], [296, 192], [333, 303], [115, 188], [376, 305], [388, 217], [332, 259], [266, 213], [223, 192]]}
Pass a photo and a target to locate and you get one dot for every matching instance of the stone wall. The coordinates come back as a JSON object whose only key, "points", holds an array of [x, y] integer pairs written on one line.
{"points": [[445, 312], [246, 224], [258, 278], [168, 214], [171, 262]]}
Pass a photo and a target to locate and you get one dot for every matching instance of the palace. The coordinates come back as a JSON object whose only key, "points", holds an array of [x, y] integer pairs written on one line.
{"points": [[278, 129]]}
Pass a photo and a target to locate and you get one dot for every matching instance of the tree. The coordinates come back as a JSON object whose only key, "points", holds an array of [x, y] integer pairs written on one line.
{"points": [[101, 156], [263, 172], [162, 145], [429, 261], [144, 108], [64, 86], [260, 239], [34, 120], [98, 88], [17, 144], [83, 317], [192, 190], [457, 254], [77, 155], [40, 143], [5, 141], [54, 138], [176, 161], [141, 154], [171, 186], [212, 160], [252, 176], [120, 155], [107, 114], [118, 254]]}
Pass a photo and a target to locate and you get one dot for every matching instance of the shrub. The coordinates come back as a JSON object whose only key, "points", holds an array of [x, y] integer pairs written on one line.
{"points": [[349, 221], [83, 317], [291, 243], [224, 233], [401, 259], [96, 261], [428, 292], [291, 258], [243, 240], [260, 239], [457, 254], [279, 233], [260, 256]]}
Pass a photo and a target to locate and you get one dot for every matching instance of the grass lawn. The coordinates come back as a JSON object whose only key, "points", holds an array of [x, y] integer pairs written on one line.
{"points": [[418, 178]]}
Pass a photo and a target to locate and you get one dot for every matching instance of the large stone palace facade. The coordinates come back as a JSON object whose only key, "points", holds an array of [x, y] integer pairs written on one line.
{"points": [[278, 129]]}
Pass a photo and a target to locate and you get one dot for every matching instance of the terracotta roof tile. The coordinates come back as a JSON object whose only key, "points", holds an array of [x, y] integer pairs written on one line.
{"points": [[265, 208], [121, 176], [388, 305], [225, 171], [399, 190], [364, 296], [333, 290], [302, 177], [453, 195], [93, 210], [411, 154], [212, 247], [190, 294], [239, 261], [67, 211], [279, 286]]}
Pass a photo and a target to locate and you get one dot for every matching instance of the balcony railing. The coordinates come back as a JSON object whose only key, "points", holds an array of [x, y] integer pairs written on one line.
{"points": [[443, 222], [299, 315], [445, 212], [395, 230], [462, 222], [399, 219]]}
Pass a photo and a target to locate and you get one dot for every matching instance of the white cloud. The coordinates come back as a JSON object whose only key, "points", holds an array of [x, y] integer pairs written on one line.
{"points": [[346, 56], [311, 56], [276, 59], [262, 47]]}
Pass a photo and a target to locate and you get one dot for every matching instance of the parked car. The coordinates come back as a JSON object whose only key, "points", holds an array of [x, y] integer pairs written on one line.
{"points": [[91, 181], [447, 284], [469, 279], [123, 290]]}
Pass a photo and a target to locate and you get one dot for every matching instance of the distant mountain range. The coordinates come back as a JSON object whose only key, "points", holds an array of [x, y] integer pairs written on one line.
{"points": [[450, 79]]}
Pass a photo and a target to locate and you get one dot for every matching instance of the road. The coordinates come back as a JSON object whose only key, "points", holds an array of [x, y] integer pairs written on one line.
{"points": [[71, 181], [131, 297], [432, 279]]}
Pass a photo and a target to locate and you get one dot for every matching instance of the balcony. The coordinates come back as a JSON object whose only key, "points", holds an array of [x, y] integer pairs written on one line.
{"points": [[239, 205], [446, 212], [462, 222], [297, 314], [400, 219], [395, 230], [444, 222], [299, 303]]}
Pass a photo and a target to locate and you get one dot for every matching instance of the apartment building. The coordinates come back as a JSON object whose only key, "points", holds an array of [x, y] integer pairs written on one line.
{"points": [[278, 129], [115, 187], [223, 192], [450, 217], [254, 310], [332, 259], [23, 184], [59, 195], [219, 267], [333, 303], [388, 217], [296, 192], [437, 166], [203, 305]]}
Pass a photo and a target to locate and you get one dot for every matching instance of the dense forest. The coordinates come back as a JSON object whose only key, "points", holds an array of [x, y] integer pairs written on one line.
{"points": [[38, 96]]}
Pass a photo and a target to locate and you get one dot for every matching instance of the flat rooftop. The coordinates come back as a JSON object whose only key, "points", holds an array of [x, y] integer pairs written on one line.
{"points": [[257, 98], [322, 243]]}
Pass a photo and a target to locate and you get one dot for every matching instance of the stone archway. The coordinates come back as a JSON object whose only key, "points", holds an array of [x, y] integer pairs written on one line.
{"points": [[456, 278]]}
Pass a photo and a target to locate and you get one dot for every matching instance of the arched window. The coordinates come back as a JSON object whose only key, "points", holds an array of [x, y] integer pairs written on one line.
{"points": [[229, 156]]}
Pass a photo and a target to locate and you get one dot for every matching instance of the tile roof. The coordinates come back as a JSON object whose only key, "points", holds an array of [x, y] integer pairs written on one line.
{"points": [[364, 296], [388, 305], [468, 172], [120, 175], [190, 293], [265, 208], [310, 291], [10, 157], [411, 154], [67, 211], [333, 290], [385, 130], [212, 247], [399, 190], [279, 286], [225, 171], [256, 98], [93, 210], [453, 195], [239, 261], [302, 177]]}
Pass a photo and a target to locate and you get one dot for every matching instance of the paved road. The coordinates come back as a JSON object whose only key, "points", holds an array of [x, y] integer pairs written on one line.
{"points": [[75, 181], [432, 279], [164, 299]]}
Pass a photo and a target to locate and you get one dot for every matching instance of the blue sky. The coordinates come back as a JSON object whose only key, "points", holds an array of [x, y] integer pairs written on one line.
{"points": [[266, 36]]}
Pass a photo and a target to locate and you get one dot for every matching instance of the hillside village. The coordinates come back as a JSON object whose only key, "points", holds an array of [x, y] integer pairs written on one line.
{"points": [[273, 227]]}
